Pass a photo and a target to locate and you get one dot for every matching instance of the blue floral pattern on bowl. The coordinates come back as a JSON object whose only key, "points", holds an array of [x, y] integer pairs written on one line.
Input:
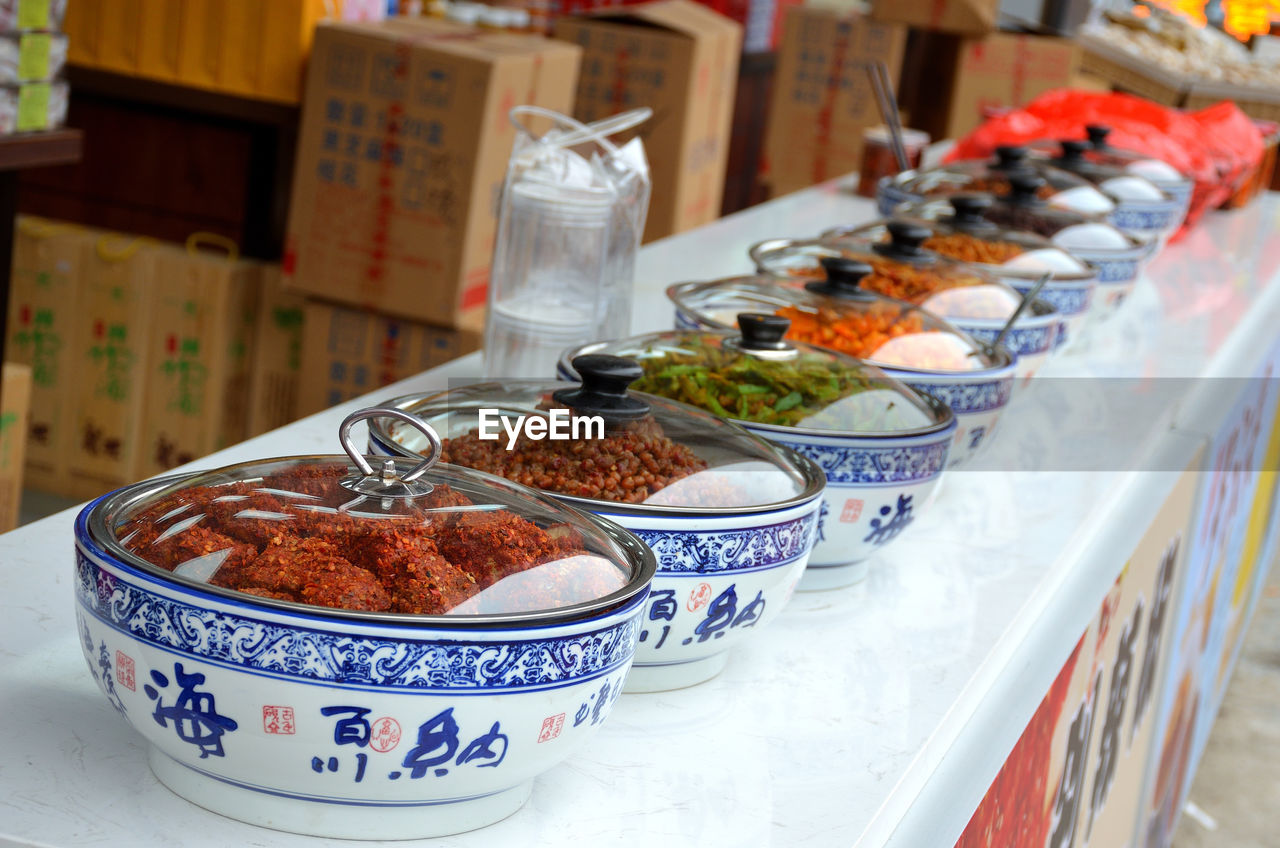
{"points": [[316, 654], [872, 466], [751, 549]]}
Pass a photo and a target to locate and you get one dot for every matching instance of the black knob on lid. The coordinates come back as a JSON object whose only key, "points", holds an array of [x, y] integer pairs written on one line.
{"points": [[1024, 188], [1073, 150], [604, 388], [761, 331], [905, 240], [970, 212], [1098, 135], [971, 208], [1010, 156], [844, 279]]}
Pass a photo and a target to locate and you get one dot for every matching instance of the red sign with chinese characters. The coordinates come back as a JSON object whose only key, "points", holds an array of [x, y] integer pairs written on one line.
{"points": [[1075, 775]]}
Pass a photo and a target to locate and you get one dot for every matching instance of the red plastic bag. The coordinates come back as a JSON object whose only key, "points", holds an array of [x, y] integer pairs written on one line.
{"points": [[1213, 147], [1233, 140]]}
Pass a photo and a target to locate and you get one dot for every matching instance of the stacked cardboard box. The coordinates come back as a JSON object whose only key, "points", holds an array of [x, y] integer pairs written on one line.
{"points": [[680, 59], [15, 398], [350, 352], [950, 83], [822, 95], [401, 156], [139, 353], [276, 368], [961, 17]]}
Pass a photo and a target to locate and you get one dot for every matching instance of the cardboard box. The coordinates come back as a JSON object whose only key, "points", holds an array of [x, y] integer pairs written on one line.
{"points": [[15, 397], [964, 17], [159, 39], [203, 313], [954, 81], [120, 26], [401, 155], [680, 59], [83, 25], [275, 371], [200, 60], [348, 352], [43, 305], [110, 363], [822, 95]]}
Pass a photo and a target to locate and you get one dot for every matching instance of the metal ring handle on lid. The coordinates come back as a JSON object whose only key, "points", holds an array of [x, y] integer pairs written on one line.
{"points": [[388, 470]]}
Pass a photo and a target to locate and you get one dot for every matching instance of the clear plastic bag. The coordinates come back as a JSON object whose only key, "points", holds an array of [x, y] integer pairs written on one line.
{"points": [[570, 218]]}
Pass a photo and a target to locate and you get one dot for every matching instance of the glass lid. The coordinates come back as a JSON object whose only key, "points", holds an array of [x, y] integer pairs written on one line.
{"points": [[752, 375], [837, 313], [957, 231], [901, 268], [1118, 182], [1023, 210], [602, 444], [410, 538], [1101, 151], [1061, 188], [962, 231]]}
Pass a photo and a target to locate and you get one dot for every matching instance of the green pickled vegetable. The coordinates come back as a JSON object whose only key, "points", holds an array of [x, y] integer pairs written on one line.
{"points": [[800, 391]]}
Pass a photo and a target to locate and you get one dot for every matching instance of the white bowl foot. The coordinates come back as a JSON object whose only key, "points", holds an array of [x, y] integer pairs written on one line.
{"points": [[341, 821], [661, 678], [821, 578]]}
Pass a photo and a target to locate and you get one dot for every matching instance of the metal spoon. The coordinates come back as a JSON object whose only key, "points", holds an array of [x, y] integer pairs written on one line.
{"points": [[989, 350]]}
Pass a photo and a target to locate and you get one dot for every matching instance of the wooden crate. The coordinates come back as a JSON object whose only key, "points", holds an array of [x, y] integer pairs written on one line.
{"points": [[1128, 73], [1256, 102]]}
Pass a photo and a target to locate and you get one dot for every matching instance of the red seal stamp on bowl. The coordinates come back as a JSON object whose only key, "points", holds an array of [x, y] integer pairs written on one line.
{"points": [[278, 720], [124, 671], [384, 734], [551, 727], [699, 597]]}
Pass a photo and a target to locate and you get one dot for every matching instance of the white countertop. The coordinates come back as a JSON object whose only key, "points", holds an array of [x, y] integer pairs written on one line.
{"points": [[881, 711]]}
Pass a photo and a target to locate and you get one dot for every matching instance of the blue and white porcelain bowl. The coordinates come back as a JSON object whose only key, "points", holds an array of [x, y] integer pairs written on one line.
{"points": [[973, 300], [341, 722], [890, 195], [1072, 297], [1118, 257], [882, 448], [1161, 174], [1032, 339], [731, 540], [935, 359], [976, 399], [960, 229], [1063, 189], [1143, 210]]}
